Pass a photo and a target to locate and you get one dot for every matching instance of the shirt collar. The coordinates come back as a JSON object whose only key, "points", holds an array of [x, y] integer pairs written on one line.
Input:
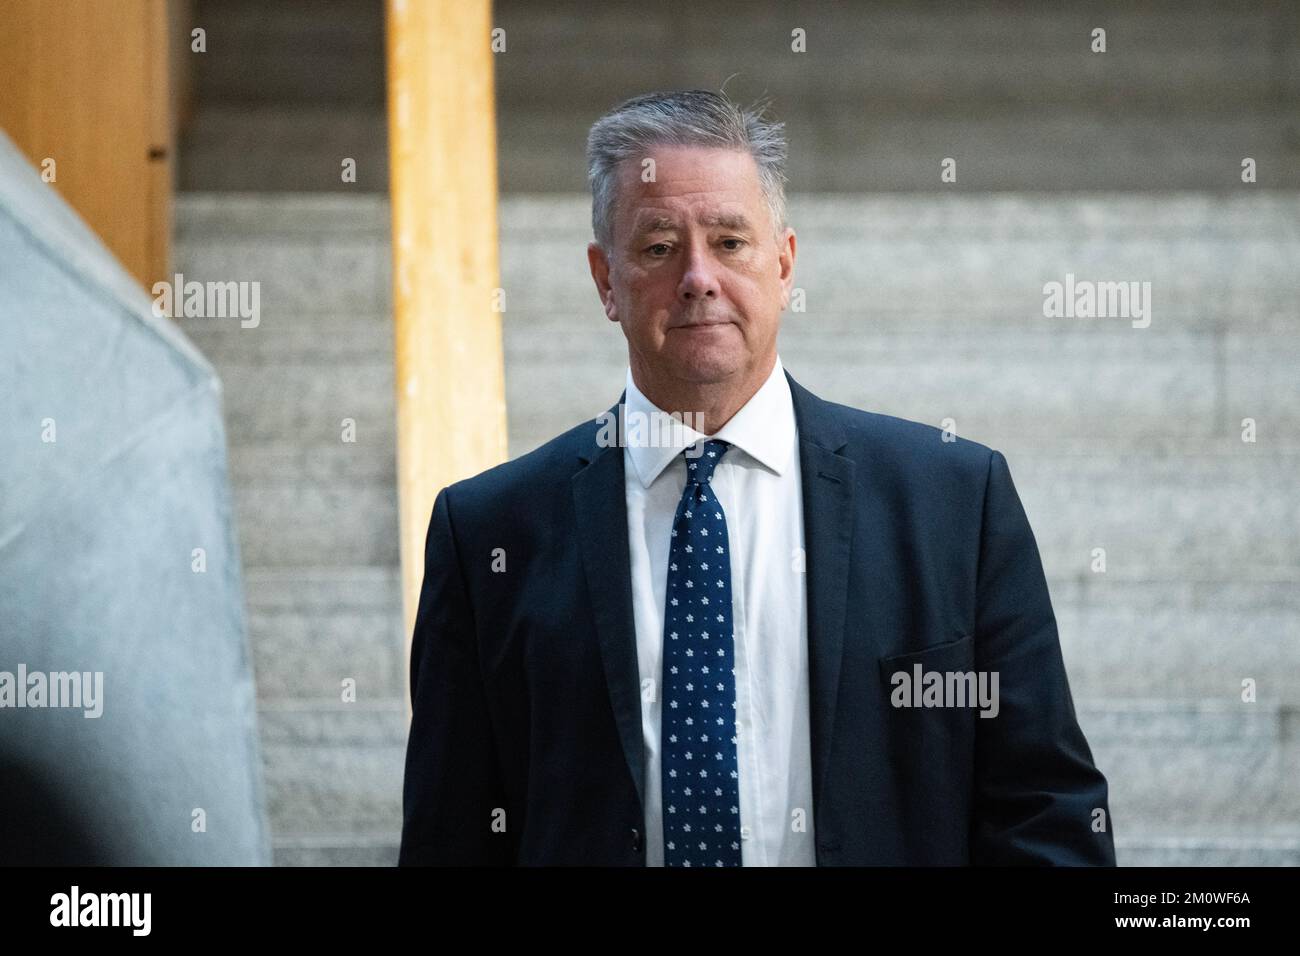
{"points": [[763, 428]]}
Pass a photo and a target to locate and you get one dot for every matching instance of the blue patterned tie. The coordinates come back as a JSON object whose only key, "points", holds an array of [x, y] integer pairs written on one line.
{"points": [[701, 783]]}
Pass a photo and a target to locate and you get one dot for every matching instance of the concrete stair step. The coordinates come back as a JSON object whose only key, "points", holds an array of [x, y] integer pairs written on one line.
{"points": [[338, 849], [333, 768], [310, 254], [312, 628], [331, 504], [279, 149], [307, 403], [323, 590], [1211, 518], [233, 217], [1280, 848], [328, 524], [1179, 638], [316, 339], [316, 460], [310, 51], [1177, 765]]}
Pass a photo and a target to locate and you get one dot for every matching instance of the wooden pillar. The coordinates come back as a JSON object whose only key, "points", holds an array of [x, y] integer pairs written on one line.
{"points": [[451, 410]]}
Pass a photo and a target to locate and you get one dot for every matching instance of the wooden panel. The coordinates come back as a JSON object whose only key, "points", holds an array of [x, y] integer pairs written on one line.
{"points": [[85, 84]]}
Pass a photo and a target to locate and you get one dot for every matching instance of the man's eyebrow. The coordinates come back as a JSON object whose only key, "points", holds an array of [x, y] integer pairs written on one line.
{"points": [[667, 224], [727, 220], [656, 224]]}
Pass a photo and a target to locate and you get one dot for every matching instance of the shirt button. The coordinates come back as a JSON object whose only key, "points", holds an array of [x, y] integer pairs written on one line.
{"points": [[744, 833]]}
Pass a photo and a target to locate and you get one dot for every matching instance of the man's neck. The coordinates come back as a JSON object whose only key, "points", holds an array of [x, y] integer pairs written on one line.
{"points": [[709, 405]]}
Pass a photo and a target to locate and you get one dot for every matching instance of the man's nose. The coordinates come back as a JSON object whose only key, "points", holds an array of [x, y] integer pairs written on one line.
{"points": [[699, 274]]}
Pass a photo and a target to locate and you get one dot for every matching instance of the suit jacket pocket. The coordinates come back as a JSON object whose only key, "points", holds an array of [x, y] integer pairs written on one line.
{"points": [[932, 696], [958, 654]]}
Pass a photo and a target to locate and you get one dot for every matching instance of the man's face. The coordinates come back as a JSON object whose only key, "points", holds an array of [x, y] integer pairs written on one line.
{"points": [[696, 276]]}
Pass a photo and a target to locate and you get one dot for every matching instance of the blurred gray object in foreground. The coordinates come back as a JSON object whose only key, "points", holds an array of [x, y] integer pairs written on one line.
{"points": [[98, 532]]}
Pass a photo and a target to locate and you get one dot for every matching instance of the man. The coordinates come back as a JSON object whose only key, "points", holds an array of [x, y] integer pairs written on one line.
{"points": [[719, 647]]}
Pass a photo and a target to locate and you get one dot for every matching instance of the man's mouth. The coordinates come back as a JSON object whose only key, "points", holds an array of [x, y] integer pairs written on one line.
{"points": [[695, 326]]}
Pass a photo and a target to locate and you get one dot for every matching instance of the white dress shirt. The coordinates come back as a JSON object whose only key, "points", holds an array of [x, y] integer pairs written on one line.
{"points": [[759, 485]]}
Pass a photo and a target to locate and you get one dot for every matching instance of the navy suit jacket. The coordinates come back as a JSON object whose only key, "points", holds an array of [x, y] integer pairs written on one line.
{"points": [[525, 743]]}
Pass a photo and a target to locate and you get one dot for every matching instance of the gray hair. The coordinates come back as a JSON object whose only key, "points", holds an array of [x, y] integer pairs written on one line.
{"points": [[681, 118]]}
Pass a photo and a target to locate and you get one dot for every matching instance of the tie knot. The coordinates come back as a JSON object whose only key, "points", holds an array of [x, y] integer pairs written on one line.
{"points": [[699, 469]]}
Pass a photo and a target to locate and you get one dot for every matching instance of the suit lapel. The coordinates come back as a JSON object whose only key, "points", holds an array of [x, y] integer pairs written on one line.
{"points": [[828, 486], [600, 507]]}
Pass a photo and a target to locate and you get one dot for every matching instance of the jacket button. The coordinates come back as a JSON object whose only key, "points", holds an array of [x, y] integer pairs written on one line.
{"points": [[636, 839]]}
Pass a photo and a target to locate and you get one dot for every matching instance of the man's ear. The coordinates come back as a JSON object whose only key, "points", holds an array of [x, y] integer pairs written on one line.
{"points": [[598, 262], [785, 257]]}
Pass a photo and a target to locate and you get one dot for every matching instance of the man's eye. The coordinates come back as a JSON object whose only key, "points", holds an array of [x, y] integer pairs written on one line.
{"points": [[657, 246], [738, 244]]}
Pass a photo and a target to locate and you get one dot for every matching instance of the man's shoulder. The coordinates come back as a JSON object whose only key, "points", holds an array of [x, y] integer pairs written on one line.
{"points": [[904, 447], [537, 472]]}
